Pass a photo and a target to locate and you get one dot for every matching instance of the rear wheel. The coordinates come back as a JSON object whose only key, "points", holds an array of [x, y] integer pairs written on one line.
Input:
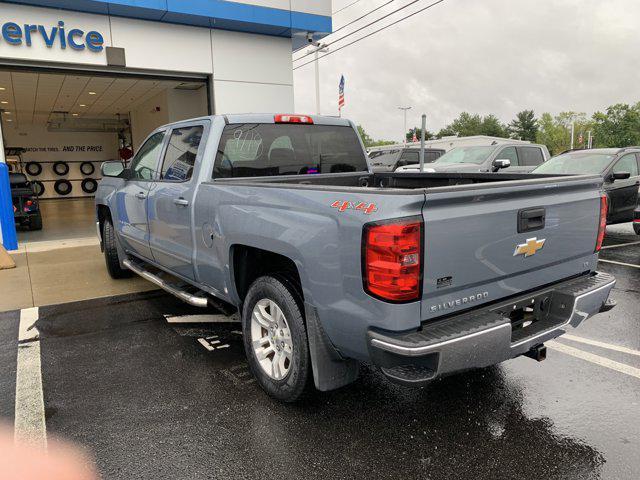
{"points": [[636, 228], [275, 338], [111, 252]]}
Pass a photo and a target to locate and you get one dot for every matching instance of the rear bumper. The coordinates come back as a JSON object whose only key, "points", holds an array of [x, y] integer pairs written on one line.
{"points": [[487, 336]]}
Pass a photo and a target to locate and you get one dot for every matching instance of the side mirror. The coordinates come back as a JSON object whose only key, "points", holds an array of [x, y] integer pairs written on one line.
{"points": [[619, 176], [112, 169], [500, 163]]}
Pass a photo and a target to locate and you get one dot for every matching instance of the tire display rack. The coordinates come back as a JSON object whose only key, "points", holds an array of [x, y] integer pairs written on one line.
{"points": [[64, 178]]}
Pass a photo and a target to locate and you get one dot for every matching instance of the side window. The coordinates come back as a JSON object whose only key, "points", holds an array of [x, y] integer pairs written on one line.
{"points": [[181, 153], [530, 156], [144, 164], [410, 157], [509, 153], [628, 163]]}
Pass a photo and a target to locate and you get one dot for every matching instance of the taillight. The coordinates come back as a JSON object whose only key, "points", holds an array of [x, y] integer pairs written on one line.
{"points": [[285, 118], [602, 227], [392, 254]]}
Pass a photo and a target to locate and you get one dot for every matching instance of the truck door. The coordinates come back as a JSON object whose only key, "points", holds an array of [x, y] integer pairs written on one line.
{"points": [[171, 199], [132, 198], [623, 194]]}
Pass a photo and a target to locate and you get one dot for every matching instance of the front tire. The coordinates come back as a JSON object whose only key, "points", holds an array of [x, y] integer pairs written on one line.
{"points": [[35, 222], [275, 338], [111, 252]]}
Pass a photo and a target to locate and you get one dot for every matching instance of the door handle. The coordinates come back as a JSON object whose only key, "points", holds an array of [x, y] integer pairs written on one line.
{"points": [[141, 195], [181, 202]]}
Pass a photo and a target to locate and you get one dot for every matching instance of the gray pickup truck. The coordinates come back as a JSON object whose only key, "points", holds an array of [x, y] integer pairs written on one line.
{"points": [[279, 218]]}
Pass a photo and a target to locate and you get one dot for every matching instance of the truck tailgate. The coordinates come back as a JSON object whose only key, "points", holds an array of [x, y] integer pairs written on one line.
{"points": [[474, 253]]}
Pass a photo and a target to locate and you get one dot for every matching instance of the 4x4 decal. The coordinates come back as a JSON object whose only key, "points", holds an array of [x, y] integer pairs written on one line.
{"points": [[367, 208]]}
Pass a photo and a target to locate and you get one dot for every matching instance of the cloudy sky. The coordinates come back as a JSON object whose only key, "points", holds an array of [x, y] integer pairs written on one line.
{"points": [[480, 56]]}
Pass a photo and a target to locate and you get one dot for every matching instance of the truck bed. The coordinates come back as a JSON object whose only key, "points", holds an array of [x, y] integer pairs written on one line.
{"points": [[382, 182]]}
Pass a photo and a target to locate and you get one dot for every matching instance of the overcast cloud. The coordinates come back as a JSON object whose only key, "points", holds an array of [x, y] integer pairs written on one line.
{"points": [[480, 56]]}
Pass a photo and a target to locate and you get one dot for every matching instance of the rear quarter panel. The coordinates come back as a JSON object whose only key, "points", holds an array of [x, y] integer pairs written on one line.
{"points": [[323, 242]]}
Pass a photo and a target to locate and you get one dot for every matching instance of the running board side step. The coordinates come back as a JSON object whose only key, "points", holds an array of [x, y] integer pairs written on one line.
{"points": [[190, 298]]}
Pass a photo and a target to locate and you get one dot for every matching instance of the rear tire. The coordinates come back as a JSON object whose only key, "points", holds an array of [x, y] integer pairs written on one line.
{"points": [[275, 338], [111, 252], [636, 228]]}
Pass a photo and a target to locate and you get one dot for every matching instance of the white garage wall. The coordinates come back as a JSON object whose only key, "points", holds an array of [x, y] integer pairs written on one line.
{"points": [[162, 46], [148, 116], [242, 97], [251, 73], [166, 107]]}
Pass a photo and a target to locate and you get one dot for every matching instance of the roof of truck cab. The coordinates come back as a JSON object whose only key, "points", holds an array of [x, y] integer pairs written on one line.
{"points": [[234, 118]]}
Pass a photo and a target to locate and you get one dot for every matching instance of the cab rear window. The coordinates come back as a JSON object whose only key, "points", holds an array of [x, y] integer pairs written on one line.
{"points": [[263, 149]]}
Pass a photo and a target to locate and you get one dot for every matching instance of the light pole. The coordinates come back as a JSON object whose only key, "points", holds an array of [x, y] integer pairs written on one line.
{"points": [[404, 133], [315, 49]]}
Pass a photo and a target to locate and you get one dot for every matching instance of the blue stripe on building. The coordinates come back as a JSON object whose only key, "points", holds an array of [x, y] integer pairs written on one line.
{"points": [[204, 13]]}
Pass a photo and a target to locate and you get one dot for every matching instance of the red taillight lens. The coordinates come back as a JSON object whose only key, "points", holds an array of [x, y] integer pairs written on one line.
{"points": [[602, 227], [28, 203], [392, 260], [285, 118]]}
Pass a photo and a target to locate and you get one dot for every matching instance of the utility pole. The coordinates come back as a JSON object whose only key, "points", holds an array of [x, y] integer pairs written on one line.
{"points": [[315, 49], [589, 138], [573, 128], [404, 133], [422, 137]]}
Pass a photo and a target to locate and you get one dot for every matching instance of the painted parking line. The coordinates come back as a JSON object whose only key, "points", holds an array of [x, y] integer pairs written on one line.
{"points": [[30, 426], [620, 245], [619, 263], [211, 343], [595, 359], [597, 343]]}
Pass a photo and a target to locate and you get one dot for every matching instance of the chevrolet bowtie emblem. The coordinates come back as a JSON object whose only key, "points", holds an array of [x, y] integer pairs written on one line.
{"points": [[529, 248]]}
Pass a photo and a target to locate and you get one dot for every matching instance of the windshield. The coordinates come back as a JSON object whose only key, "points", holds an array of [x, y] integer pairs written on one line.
{"points": [[576, 163], [475, 155], [264, 149]]}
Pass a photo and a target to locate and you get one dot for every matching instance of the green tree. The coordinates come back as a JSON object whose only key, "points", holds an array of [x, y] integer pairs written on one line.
{"points": [[555, 132], [524, 126], [366, 139], [418, 131], [493, 127], [446, 132], [618, 127], [467, 125], [370, 142]]}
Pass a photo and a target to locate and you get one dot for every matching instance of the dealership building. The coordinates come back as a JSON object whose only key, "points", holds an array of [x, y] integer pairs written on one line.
{"points": [[84, 81]]}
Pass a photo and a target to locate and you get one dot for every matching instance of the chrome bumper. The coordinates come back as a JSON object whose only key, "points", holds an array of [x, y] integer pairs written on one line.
{"points": [[485, 336]]}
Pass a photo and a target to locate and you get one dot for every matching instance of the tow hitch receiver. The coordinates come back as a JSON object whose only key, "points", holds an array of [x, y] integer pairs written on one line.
{"points": [[538, 353]]}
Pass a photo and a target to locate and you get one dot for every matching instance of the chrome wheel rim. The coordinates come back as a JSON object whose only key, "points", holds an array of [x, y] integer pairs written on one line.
{"points": [[271, 339]]}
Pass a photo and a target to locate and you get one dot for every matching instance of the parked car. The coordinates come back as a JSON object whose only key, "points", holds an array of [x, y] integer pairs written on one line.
{"points": [[26, 208], [619, 167], [279, 218], [517, 158], [389, 160]]}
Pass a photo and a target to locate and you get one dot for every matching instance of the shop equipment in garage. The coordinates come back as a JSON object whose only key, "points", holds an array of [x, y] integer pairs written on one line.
{"points": [[24, 197]]}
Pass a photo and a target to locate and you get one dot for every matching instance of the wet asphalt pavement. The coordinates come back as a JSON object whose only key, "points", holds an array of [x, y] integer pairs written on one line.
{"points": [[146, 399]]}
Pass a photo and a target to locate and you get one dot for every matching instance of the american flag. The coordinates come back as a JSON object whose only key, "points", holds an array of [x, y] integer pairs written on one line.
{"points": [[341, 93]]}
